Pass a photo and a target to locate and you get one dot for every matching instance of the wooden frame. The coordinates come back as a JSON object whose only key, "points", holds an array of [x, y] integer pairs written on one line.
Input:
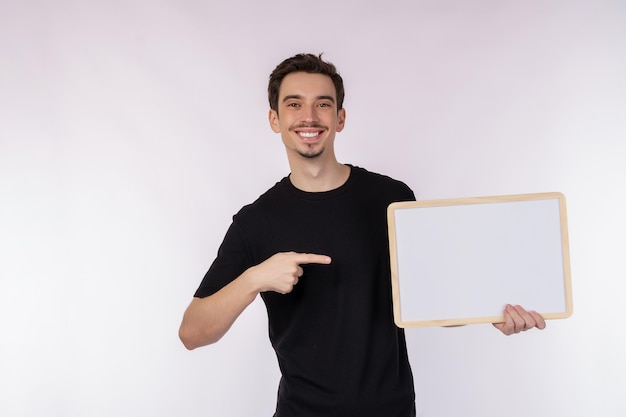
{"points": [[460, 261]]}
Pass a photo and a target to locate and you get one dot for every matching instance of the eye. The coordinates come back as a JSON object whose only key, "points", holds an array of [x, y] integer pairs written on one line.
{"points": [[293, 105], [325, 105]]}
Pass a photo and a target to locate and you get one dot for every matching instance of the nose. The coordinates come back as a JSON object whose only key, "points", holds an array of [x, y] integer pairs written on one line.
{"points": [[309, 114]]}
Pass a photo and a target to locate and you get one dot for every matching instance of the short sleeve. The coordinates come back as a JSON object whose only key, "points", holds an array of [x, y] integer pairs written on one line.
{"points": [[231, 261]]}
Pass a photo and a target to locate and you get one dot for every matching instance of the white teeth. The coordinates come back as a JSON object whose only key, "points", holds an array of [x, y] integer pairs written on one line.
{"points": [[309, 134]]}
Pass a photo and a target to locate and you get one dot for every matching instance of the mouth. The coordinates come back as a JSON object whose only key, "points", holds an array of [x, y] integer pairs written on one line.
{"points": [[309, 134]]}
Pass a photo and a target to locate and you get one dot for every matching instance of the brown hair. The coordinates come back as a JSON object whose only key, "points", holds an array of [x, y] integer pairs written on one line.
{"points": [[309, 63]]}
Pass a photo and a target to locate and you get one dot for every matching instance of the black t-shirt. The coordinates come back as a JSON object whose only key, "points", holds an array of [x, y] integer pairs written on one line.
{"points": [[338, 348]]}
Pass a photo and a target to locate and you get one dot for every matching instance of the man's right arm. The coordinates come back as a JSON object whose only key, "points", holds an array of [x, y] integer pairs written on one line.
{"points": [[207, 319]]}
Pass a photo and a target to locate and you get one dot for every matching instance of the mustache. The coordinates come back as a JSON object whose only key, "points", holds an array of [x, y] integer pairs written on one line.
{"points": [[308, 125]]}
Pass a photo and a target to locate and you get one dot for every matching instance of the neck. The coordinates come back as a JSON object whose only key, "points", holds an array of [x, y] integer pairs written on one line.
{"points": [[314, 176]]}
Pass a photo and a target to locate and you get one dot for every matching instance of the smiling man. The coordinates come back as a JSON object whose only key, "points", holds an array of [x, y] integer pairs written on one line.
{"points": [[315, 248], [307, 110], [309, 114]]}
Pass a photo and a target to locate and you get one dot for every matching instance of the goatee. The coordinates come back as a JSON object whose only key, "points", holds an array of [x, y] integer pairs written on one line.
{"points": [[311, 155]]}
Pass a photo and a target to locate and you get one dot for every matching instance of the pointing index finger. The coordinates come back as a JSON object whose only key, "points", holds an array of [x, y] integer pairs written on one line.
{"points": [[311, 258]]}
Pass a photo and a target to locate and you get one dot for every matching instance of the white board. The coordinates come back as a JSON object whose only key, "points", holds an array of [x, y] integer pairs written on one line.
{"points": [[460, 261]]}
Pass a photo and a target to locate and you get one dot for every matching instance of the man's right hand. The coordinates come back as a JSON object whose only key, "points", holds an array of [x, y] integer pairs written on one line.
{"points": [[280, 272]]}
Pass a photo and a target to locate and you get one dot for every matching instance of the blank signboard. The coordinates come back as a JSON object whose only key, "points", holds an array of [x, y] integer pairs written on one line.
{"points": [[461, 261]]}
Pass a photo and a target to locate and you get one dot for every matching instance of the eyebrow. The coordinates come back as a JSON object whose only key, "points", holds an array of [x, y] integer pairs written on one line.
{"points": [[299, 97]]}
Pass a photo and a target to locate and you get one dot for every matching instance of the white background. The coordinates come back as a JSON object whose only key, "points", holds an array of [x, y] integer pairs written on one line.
{"points": [[131, 132]]}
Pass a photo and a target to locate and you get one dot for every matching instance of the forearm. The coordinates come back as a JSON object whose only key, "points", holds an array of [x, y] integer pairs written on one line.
{"points": [[206, 320]]}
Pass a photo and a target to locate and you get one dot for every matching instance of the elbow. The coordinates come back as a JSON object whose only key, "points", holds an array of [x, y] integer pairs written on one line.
{"points": [[189, 338], [193, 338], [188, 342]]}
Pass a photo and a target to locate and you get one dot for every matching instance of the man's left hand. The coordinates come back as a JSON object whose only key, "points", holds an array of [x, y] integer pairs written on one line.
{"points": [[517, 319]]}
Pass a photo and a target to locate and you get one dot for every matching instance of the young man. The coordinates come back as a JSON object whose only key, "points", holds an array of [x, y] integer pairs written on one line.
{"points": [[315, 248]]}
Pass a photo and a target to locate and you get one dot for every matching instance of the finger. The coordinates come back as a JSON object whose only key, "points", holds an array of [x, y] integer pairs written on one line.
{"points": [[509, 325], [540, 322], [502, 327], [311, 258], [528, 322], [287, 287], [531, 319], [517, 314]]}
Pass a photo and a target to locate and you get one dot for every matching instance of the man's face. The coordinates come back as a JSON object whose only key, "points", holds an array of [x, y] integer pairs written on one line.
{"points": [[307, 116]]}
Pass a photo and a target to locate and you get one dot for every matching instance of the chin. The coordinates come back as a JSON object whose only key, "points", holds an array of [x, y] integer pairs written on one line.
{"points": [[311, 155]]}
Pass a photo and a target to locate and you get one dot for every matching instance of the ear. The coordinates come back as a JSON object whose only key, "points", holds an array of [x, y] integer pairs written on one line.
{"points": [[341, 120], [273, 118]]}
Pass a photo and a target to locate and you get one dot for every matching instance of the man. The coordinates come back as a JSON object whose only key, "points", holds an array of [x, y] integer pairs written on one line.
{"points": [[315, 248]]}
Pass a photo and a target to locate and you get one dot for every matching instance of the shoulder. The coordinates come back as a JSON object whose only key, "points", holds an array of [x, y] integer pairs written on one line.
{"points": [[265, 202], [381, 182]]}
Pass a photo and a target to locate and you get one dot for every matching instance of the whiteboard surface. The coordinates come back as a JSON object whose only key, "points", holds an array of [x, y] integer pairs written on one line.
{"points": [[461, 261]]}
